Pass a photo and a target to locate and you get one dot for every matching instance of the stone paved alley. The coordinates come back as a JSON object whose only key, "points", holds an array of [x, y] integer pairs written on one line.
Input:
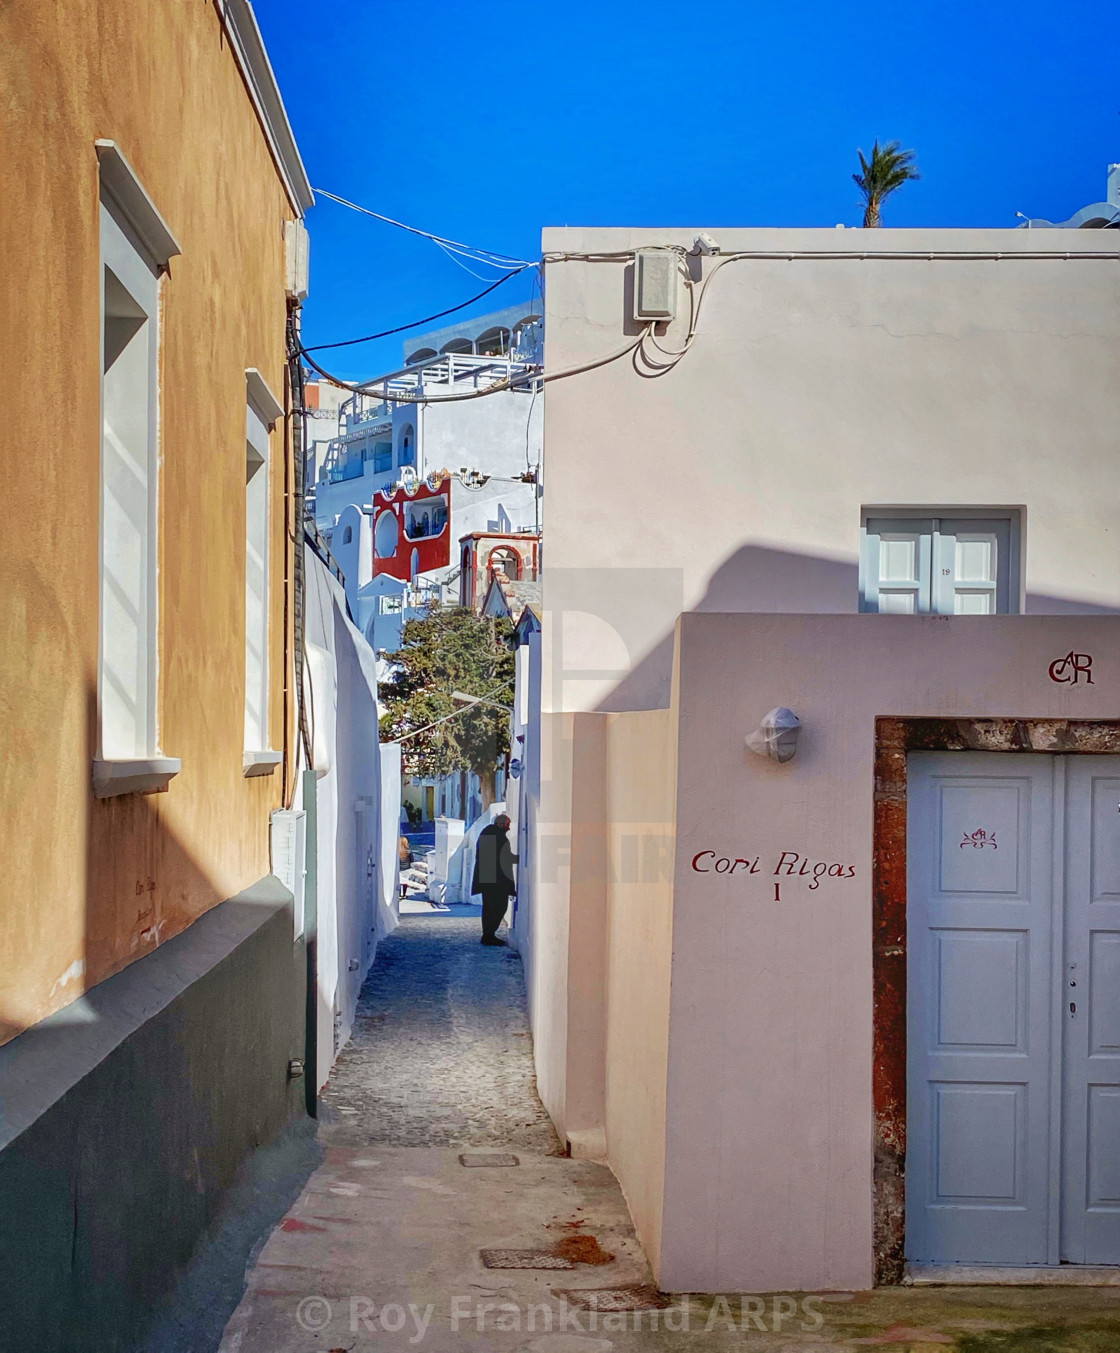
{"points": [[441, 1052], [382, 1248]]}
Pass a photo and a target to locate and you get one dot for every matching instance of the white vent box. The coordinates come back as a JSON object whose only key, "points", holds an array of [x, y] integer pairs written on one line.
{"points": [[655, 285], [288, 840]]}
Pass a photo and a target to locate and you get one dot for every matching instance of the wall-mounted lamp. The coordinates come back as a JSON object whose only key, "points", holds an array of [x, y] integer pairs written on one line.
{"points": [[777, 735]]}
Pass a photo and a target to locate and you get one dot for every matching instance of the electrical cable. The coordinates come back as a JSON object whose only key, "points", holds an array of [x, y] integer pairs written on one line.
{"points": [[510, 383], [453, 255], [416, 324], [462, 709], [481, 255], [697, 296]]}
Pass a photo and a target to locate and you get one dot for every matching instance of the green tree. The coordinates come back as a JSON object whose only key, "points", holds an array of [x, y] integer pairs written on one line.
{"points": [[884, 173], [444, 651]]}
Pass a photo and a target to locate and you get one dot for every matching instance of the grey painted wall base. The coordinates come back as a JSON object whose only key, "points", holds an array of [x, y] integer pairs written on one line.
{"points": [[125, 1117]]}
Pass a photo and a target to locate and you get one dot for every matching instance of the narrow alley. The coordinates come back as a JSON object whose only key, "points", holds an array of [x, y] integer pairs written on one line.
{"points": [[446, 1216], [437, 1150], [441, 1052], [728, 614]]}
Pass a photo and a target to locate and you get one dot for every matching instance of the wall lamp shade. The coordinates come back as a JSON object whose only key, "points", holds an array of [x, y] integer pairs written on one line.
{"points": [[777, 735]]}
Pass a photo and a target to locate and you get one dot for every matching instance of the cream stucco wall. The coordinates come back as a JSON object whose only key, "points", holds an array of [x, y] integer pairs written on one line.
{"points": [[641, 812], [90, 885], [769, 1118], [816, 386]]}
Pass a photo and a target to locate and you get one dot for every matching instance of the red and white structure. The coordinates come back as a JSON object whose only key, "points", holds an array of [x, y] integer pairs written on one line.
{"points": [[412, 527]]}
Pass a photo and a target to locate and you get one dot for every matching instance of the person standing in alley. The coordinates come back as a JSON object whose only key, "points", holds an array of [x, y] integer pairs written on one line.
{"points": [[493, 876], [404, 854]]}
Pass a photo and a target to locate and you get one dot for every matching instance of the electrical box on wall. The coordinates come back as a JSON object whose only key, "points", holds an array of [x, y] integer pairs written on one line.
{"points": [[288, 842], [655, 285], [296, 250]]}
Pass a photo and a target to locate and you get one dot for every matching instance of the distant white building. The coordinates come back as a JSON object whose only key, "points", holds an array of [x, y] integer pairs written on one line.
{"points": [[407, 478], [1097, 216], [323, 402], [379, 436]]}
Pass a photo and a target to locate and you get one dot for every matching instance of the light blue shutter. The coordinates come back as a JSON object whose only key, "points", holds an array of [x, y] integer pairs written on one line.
{"points": [[971, 567], [895, 565]]}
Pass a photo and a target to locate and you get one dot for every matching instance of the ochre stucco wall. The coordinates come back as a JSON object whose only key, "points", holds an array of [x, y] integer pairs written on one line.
{"points": [[90, 885]]}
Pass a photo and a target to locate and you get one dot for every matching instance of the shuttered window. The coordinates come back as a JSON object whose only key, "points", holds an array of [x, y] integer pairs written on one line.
{"points": [[916, 565]]}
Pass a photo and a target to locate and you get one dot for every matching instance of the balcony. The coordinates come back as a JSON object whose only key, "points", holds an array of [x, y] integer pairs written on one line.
{"points": [[352, 469], [425, 518], [453, 369]]}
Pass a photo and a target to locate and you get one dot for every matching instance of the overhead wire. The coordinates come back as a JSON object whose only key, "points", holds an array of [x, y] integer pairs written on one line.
{"points": [[496, 259], [454, 257], [510, 383], [647, 345], [416, 324], [415, 732]]}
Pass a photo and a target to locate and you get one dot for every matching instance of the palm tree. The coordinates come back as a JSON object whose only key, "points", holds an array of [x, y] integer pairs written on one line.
{"points": [[887, 170]]}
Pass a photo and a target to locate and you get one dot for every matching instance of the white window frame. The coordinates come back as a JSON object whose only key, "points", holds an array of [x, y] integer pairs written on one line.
{"points": [[935, 584], [136, 246], [262, 411]]}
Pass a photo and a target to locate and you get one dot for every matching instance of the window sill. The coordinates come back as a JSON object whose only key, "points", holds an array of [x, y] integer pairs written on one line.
{"points": [[147, 775], [260, 763]]}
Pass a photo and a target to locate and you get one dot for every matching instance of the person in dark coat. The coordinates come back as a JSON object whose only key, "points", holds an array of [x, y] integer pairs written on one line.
{"points": [[493, 876]]}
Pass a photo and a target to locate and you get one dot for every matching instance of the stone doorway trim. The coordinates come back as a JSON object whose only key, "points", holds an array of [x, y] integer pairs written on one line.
{"points": [[894, 738]]}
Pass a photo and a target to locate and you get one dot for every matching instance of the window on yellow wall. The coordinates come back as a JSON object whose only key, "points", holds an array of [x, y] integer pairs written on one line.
{"points": [[135, 247], [262, 409]]}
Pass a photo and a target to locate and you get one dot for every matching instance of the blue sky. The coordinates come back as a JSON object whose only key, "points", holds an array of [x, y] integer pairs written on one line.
{"points": [[484, 123]]}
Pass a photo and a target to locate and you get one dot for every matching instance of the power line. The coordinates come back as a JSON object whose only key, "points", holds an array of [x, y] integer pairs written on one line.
{"points": [[490, 256], [416, 324], [511, 382], [415, 732]]}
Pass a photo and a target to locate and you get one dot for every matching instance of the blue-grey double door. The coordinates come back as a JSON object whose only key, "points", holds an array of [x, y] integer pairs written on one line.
{"points": [[1013, 1027]]}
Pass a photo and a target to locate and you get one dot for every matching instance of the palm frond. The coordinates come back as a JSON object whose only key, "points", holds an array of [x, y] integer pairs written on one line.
{"points": [[887, 169]]}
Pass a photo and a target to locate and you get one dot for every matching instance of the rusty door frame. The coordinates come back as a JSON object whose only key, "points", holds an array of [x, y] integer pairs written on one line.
{"points": [[895, 737]]}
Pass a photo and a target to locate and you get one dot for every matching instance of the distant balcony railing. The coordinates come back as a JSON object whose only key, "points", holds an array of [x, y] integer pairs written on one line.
{"points": [[451, 368], [353, 469]]}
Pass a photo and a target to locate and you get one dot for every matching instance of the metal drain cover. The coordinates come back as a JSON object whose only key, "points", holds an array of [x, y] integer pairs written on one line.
{"points": [[487, 1160], [524, 1259], [640, 1297]]}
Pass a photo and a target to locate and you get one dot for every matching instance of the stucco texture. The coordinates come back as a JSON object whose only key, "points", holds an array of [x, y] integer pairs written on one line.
{"points": [[90, 885], [641, 780], [770, 1118], [817, 386]]}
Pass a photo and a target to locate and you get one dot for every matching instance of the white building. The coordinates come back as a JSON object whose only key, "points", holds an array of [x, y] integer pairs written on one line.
{"points": [[323, 404], [408, 477], [1097, 216], [380, 436], [819, 1016]]}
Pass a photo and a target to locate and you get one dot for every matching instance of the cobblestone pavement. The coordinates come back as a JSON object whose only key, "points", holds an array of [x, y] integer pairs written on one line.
{"points": [[441, 1053], [386, 1247]]}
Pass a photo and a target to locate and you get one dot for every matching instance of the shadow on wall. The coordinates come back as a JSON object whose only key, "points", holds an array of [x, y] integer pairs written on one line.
{"points": [[126, 1117], [139, 884], [755, 578]]}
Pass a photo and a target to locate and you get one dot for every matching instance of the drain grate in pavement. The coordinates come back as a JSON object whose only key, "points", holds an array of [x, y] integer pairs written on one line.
{"points": [[639, 1297], [524, 1259], [484, 1160]]}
